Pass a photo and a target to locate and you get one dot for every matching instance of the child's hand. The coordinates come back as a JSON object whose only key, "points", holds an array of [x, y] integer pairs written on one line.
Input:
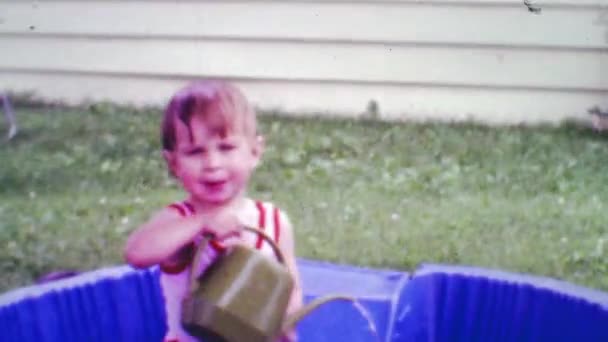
{"points": [[222, 225], [290, 336]]}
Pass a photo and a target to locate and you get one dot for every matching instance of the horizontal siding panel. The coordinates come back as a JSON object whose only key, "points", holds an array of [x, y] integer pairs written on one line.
{"points": [[395, 103], [447, 22], [290, 61], [511, 3]]}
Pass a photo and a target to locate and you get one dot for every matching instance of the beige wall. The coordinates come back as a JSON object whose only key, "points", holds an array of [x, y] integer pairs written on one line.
{"points": [[487, 60]]}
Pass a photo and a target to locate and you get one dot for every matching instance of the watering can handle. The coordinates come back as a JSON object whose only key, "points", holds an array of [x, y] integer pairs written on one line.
{"points": [[208, 237], [275, 247]]}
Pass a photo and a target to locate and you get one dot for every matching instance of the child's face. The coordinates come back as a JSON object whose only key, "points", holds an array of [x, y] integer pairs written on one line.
{"points": [[214, 169]]}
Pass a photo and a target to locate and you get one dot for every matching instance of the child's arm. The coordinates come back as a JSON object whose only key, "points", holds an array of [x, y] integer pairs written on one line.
{"points": [[287, 245], [160, 238], [167, 232]]}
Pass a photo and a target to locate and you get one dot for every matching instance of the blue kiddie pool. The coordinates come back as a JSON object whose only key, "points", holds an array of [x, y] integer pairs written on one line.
{"points": [[434, 303]]}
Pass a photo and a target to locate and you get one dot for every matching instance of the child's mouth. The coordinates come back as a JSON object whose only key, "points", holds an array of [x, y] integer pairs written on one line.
{"points": [[215, 185]]}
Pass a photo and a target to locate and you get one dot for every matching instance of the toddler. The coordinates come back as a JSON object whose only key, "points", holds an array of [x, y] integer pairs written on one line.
{"points": [[211, 145]]}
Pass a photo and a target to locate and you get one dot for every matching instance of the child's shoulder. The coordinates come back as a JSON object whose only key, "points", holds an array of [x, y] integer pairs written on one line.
{"points": [[271, 214], [267, 207], [271, 218], [265, 204], [183, 208], [172, 210]]}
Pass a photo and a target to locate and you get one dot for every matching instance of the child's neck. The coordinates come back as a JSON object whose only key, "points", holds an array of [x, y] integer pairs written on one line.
{"points": [[235, 204]]}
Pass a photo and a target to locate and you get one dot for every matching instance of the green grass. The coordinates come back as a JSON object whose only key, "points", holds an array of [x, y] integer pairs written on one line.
{"points": [[74, 183]]}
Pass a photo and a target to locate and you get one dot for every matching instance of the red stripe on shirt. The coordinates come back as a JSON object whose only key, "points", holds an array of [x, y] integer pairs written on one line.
{"points": [[174, 269], [261, 222], [182, 260], [218, 242], [179, 208], [218, 246], [277, 224], [190, 207]]}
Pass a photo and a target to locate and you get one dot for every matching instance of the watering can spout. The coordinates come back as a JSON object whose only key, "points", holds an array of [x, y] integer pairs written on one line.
{"points": [[293, 319]]}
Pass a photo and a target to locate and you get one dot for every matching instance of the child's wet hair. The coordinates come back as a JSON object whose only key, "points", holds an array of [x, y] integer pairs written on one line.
{"points": [[222, 105]]}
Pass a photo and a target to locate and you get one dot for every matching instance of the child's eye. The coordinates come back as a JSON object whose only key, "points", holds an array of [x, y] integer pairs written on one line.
{"points": [[227, 147], [194, 151]]}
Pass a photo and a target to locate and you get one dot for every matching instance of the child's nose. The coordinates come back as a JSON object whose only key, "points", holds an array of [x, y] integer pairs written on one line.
{"points": [[212, 160]]}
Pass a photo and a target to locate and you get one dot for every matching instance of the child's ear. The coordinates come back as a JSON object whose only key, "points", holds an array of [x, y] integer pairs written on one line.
{"points": [[170, 160], [258, 148]]}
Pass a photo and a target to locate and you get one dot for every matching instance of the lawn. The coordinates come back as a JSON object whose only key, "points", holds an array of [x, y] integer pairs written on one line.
{"points": [[75, 182]]}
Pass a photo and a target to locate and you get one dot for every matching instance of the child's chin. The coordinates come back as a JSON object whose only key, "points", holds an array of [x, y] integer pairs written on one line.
{"points": [[215, 199]]}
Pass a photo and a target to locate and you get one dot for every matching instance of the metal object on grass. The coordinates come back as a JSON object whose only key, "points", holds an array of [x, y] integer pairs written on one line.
{"points": [[10, 117]]}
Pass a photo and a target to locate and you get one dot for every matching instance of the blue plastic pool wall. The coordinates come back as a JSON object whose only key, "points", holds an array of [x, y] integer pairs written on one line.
{"points": [[436, 303], [451, 303]]}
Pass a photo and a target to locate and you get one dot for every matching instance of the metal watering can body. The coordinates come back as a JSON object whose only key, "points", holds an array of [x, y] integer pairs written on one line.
{"points": [[242, 296]]}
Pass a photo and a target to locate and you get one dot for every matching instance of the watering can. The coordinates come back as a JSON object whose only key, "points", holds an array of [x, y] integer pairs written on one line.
{"points": [[242, 296]]}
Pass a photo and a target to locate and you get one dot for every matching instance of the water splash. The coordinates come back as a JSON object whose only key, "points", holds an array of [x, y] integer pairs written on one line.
{"points": [[368, 317]]}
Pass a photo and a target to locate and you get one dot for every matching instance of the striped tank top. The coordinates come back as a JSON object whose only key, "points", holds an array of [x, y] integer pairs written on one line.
{"points": [[174, 277]]}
